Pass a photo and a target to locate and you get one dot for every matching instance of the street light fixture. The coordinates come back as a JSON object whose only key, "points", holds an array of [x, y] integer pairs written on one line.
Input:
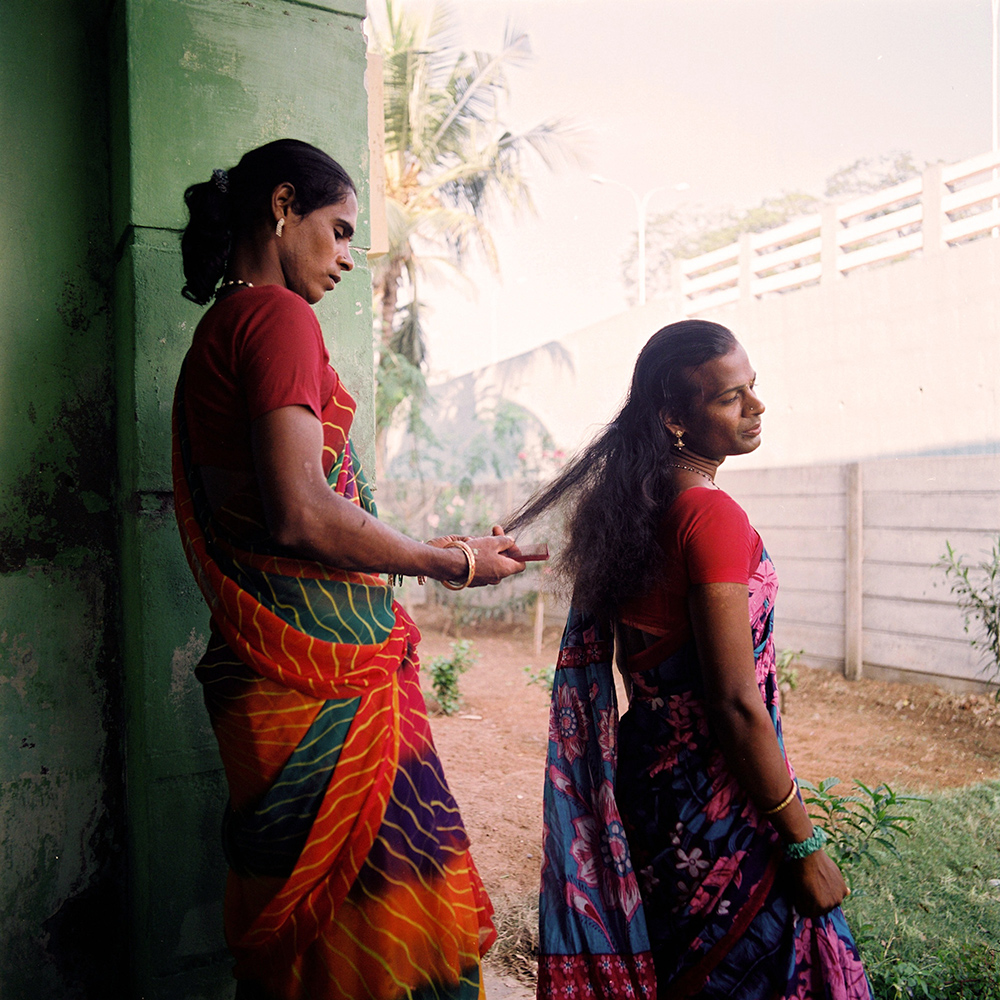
{"points": [[641, 204]]}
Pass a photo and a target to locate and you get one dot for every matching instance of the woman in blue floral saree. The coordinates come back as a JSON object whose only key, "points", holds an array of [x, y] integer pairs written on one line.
{"points": [[679, 860]]}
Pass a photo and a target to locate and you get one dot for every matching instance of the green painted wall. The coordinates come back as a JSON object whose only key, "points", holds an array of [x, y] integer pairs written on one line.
{"points": [[62, 816], [108, 111]]}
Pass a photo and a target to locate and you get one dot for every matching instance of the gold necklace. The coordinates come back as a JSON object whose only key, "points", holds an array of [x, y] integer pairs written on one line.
{"points": [[233, 283], [691, 468]]}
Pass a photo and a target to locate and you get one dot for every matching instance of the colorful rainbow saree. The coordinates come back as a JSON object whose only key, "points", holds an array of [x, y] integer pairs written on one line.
{"points": [[660, 878], [350, 874]]}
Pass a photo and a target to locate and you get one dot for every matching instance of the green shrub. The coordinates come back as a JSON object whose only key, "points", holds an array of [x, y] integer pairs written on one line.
{"points": [[859, 826], [977, 592], [543, 677], [445, 671]]}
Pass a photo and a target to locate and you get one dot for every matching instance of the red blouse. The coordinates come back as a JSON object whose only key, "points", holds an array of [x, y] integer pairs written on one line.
{"points": [[706, 537], [256, 350]]}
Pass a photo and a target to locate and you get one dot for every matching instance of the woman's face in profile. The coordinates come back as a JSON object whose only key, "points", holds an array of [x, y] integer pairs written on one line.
{"points": [[725, 412], [314, 249]]}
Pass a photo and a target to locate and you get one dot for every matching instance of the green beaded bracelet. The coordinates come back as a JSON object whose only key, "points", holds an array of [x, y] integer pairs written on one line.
{"points": [[808, 846]]}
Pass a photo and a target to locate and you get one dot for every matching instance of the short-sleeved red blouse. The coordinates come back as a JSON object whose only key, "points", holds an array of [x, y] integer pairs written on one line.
{"points": [[256, 350], [706, 537]]}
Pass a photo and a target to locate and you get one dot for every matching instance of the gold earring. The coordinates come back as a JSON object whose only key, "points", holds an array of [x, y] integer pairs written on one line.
{"points": [[679, 443], [278, 228]]}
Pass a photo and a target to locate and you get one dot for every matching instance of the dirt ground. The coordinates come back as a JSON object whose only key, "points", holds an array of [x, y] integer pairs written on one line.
{"points": [[912, 737]]}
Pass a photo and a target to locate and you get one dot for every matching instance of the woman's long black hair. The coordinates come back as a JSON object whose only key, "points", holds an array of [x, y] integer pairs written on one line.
{"points": [[232, 203], [618, 488]]}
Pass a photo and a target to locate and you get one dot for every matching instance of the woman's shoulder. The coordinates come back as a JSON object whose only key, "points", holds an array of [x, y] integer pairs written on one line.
{"points": [[266, 300], [707, 500], [264, 317], [704, 508]]}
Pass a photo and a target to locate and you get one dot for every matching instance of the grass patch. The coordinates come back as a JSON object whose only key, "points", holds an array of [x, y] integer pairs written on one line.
{"points": [[928, 925]]}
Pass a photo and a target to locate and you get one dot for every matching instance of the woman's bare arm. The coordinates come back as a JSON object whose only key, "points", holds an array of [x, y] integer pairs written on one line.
{"points": [[746, 734], [306, 517]]}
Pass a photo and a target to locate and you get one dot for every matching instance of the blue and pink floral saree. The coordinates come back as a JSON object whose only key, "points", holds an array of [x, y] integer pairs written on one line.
{"points": [[660, 878]]}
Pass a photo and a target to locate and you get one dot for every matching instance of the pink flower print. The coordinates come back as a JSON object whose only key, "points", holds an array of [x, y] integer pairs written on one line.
{"points": [[641, 685], [607, 734], [675, 837], [803, 939], [582, 850], [666, 760], [568, 725], [834, 955], [724, 872], [763, 589], [600, 850], [692, 863], [724, 789], [687, 715]]}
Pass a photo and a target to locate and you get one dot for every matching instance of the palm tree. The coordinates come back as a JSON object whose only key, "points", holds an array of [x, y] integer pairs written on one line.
{"points": [[450, 165]]}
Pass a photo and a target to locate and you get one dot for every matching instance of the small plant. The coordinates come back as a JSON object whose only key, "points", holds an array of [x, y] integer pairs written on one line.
{"points": [[860, 825], [788, 676], [977, 591], [445, 671], [543, 677]]}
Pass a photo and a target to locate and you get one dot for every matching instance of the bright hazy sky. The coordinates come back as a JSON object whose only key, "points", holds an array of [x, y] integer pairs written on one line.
{"points": [[740, 99]]}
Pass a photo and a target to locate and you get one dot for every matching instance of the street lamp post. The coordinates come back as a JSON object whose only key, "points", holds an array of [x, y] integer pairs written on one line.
{"points": [[995, 4], [641, 204], [996, 135]]}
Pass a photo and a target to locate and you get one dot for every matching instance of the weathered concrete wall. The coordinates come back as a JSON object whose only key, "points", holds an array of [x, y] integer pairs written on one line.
{"points": [[900, 359], [888, 607], [61, 767], [108, 111]]}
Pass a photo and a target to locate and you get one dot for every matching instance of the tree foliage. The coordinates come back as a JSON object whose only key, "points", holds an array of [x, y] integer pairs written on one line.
{"points": [[451, 166], [689, 231]]}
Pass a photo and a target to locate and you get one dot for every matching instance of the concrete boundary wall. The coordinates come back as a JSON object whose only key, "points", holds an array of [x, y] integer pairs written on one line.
{"points": [[857, 548], [901, 359]]}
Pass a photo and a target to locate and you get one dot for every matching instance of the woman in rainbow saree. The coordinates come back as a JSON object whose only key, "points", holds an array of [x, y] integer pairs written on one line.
{"points": [[350, 874], [678, 860]]}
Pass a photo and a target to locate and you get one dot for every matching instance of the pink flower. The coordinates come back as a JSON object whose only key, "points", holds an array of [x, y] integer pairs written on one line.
{"points": [[600, 850], [834, 955], [607, 734], [724, 790], [763, 589], [568, 725], [686, 714], [726, 870]]}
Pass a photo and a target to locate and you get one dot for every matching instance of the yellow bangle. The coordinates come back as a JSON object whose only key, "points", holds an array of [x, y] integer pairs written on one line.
{"points": [[783, 804], [470, 557]]}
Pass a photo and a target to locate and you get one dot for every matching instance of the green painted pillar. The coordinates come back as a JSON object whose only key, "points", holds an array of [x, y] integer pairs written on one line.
{"points": [[62, 820], [195, 83]]}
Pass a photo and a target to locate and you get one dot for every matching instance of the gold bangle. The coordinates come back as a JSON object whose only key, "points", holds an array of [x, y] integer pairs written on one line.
{"points": [[783, 804], [470, 557]]}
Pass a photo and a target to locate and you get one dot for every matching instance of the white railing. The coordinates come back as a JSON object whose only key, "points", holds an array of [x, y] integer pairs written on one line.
{"points": [[946, 206]]}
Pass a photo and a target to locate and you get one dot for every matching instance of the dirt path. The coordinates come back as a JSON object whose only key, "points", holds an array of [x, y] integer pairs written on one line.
{"points": [[912, 737]]}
